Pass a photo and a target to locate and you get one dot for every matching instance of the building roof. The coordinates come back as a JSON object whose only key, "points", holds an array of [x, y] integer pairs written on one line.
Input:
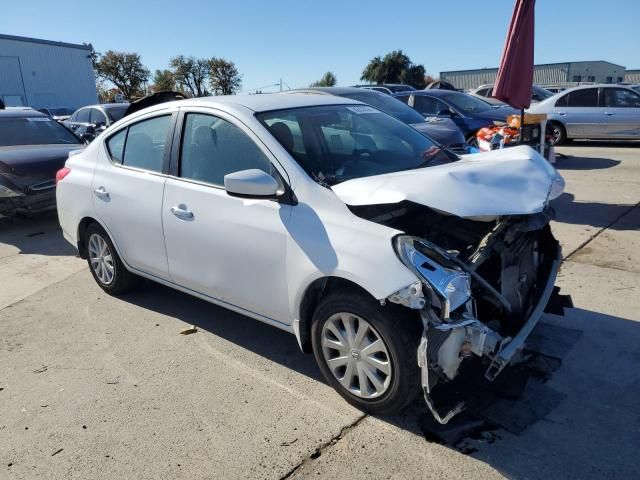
{"points": [[537, 65], [88, 47]]}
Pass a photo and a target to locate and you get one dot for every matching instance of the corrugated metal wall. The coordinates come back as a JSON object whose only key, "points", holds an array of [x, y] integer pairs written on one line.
{"points": [[52, 75], [632, 76], [467, 79]]}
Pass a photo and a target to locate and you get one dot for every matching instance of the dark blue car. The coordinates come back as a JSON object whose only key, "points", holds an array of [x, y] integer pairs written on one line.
{"points": [[468, 112]]}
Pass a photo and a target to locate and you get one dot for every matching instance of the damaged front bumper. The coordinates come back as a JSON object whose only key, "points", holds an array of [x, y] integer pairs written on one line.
{"points": [[449, 339]]}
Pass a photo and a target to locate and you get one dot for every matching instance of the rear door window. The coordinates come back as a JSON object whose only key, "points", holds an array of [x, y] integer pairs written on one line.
{"points": [[620, 98], [587, 97], [141, 145]]}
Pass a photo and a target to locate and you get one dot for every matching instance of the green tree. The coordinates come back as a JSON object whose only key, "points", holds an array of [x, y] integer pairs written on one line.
{"points": [[394, 67], [124, 70], [224, 78], [190, 74], [163, 80], [327, 80]]}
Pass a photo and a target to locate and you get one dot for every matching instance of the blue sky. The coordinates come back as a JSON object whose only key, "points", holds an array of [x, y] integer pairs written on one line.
{"points": [[300, 40]]}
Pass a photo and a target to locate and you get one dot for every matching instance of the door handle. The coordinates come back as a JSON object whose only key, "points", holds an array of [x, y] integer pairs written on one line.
{"points": [[101, 192], [182, 212], [562, 113], [608, 114]]}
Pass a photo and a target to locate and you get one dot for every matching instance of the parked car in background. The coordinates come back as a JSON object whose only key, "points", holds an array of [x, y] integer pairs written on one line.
{"points": [[33, 147], [59, 114], [486, 91], [88, 122], [592, 112], [387, 88], [467, 111], [442, 130], [367, 248]]}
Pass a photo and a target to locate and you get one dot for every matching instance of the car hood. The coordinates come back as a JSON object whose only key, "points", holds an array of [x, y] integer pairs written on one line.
{"points": [[34, 159], [512, 181], [442, 130]]}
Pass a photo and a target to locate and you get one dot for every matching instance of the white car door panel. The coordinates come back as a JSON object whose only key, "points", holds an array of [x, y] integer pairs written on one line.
{"points": [[228, 248], [128, 199], [622, 112]]}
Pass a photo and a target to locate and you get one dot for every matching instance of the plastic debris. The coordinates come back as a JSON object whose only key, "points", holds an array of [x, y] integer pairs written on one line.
{"points": [[189, 331]]}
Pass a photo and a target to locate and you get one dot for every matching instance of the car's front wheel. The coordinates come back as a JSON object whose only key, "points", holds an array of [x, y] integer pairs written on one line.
{"points": [[105, 264], [367, 352]]}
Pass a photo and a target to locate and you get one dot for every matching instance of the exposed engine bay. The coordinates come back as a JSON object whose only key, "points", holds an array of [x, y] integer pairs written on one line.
{"points": [[485, 283]]}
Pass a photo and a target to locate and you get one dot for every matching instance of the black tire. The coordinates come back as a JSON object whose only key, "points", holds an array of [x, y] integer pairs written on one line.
{"points": [[557, 132], [400, 333], [122, 279]]}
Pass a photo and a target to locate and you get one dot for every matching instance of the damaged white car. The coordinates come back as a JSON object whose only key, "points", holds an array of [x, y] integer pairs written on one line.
{"points": [[389, 257]]}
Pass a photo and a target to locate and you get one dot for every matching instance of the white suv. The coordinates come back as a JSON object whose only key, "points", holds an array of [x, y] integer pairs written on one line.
{"points": [[388, 256]]}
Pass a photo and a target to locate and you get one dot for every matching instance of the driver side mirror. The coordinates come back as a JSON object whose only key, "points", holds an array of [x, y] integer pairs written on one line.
{"points": [[252, 183]]}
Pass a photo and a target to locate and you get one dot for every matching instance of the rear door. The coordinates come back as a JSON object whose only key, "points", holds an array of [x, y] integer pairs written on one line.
{"points": [[580, 113], [128, 186], [621, 112]]}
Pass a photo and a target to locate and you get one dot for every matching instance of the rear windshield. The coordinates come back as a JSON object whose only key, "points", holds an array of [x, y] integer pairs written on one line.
{"points": [[116, 113], [34, 131]]}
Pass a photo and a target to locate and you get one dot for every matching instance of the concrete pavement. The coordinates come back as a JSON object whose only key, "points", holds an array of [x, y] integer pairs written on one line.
{"points": [[98, 387]]}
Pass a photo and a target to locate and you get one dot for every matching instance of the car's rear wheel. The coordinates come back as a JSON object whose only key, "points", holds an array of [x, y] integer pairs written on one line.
{"points": [[106, 267], [367, 352], [557, 133]]}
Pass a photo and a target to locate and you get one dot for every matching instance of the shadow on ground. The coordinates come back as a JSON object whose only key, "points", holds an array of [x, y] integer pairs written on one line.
{"points": [[39, 234], [569, 162], [599, 215], [595, 405]]}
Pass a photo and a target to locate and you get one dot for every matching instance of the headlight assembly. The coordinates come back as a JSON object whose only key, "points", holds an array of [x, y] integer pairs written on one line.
{"points": [[434, 267]]}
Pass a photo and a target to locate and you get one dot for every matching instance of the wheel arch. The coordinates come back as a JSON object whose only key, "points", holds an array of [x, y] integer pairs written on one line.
{"points": [[316, 291]]}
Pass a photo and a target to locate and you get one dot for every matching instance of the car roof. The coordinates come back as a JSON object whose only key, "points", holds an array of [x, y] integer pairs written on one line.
{"points": [[106, 106], [264, 102], [21, 112], [434, 92], [335, 91]]}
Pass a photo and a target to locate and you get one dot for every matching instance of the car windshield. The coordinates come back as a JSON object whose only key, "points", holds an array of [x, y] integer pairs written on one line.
{"points": [[387, 104], [467, 103], [34, 131], [116, 113], [336, 143]]}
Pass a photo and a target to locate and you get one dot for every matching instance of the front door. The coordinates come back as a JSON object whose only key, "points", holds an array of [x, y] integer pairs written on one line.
{"points": [[127, 187], [228, 248], [581, 114], [621, 112]]}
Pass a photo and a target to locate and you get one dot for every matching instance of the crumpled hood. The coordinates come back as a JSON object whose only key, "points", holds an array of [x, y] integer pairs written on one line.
{"points": [[512, 181], [442, 130]]}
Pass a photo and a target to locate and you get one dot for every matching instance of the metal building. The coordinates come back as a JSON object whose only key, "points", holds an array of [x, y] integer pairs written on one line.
{"points": [[597, 71], [42, 73], [632, 76]]}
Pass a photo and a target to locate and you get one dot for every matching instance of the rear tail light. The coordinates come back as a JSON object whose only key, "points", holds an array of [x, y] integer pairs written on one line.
{"points": [[60, 174]]}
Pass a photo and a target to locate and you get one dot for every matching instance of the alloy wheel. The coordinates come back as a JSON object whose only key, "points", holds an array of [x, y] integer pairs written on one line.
{"points": [[101, 259], [356, 355]]}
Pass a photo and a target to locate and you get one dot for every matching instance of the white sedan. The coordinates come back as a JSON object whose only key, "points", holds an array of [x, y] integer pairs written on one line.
{"points": [[389, 257]]}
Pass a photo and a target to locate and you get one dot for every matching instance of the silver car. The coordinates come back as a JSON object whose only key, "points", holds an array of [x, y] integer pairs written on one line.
{"points": [[592, 112]]}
